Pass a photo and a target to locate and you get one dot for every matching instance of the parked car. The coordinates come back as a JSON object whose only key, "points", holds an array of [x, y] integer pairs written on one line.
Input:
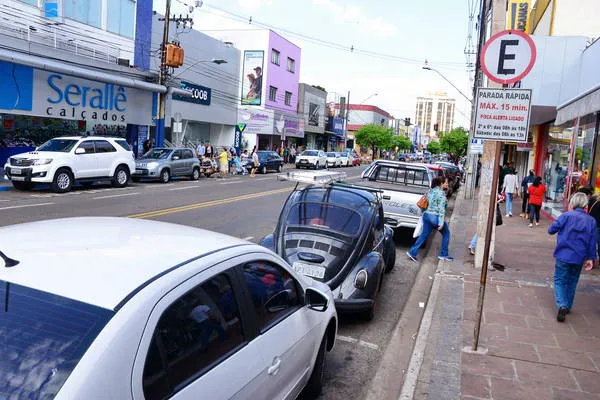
{"points": [[333, 159], [356, 160], [335, 233], [164, 163], [402, 184], [345, 159], [452, 171], [116, 308], [62, 161], [311, 159], [269, 161]]}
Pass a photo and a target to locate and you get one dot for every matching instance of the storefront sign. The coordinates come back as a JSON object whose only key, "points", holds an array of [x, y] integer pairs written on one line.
{"points": [[238, 138], [252, 77], [258, 122], [517, 15], [508, 56], [525, 146], [199, 94], [503, 114], [338, 126], [53, 95], [313, 114]]}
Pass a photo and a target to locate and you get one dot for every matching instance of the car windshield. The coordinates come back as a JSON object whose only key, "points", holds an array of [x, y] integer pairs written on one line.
{"points": [[326, 216], [61, 145], [42, 338], [331, 155], [157, 154], [342, 154], [311, 153]]}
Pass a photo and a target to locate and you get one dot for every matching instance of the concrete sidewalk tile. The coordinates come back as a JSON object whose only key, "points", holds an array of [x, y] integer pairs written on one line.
{"points": [[544, 324], [566, 358], [561, 394], [578, 343], [512, 390], [588, 381], [475, 385], [589, 331], [477, 364], [493, 332], [510, 349], [532, 336], [531, 310], [595, 360], [504, 319], [549, 375]]}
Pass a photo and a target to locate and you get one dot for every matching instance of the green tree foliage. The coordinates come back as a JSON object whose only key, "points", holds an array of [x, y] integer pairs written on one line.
{"points": [[374, 137], [455, 142], [401, 142], [434, 147]]}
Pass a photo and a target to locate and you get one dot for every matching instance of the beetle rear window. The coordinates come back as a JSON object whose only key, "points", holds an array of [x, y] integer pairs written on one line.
{"points": [[326, 216], [42, 338]]}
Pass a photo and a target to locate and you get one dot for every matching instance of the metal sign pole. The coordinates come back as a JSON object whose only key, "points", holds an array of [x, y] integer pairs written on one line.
{"points": [[487, 242]]}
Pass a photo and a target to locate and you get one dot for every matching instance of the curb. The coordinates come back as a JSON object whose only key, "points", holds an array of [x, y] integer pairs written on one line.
{"points": [[401, 350]]}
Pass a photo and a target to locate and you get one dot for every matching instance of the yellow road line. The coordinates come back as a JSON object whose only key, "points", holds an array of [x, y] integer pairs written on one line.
{"points": [[211, 203]]}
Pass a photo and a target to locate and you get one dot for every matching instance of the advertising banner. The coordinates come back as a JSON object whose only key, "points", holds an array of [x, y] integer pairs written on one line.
{"points": [[199, 94], [517, 15], [259, 122], [252, 77], [288, 126], [503, 114]]}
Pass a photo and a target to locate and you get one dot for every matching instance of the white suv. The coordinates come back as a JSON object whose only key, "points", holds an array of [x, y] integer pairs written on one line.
{"points": [[64, 160], [311, 159]]}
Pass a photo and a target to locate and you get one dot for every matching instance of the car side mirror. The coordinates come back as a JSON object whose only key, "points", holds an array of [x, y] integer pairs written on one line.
{"points": [[175, 158], [79, 150], [316, 300], [279, 301]]}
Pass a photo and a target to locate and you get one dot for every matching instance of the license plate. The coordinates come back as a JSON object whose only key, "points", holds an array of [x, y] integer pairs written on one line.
{"points": [[15, 171], [138, 171], [17, 178], [303, 161], [313, 271]]}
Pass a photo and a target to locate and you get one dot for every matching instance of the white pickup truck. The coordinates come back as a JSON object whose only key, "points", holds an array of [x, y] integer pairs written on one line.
{"points": [[402, 184]]}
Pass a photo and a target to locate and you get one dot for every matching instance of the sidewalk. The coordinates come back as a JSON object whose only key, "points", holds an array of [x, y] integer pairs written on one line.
{"points": [[529, 354]]}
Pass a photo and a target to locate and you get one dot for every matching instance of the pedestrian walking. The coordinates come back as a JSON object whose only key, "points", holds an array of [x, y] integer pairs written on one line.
{"points": [[510, 188], [200, 150], [434, 219], [575, 249], [255, 162], [536, 197], [223, 162], [525, 183]]}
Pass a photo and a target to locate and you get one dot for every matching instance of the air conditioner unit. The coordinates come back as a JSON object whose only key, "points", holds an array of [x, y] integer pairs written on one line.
{"points": [[123, 62]]}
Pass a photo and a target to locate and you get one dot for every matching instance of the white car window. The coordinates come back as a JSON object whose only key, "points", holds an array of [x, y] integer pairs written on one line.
{"points": [[198, 331]]}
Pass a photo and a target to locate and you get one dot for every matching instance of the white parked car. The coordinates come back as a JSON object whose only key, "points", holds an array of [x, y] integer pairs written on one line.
{"points": [[333, 159], [116, 308], [345, 159], [311, 159], [64, 160]]}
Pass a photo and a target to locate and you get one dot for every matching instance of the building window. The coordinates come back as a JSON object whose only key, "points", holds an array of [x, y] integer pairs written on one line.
{"points": [[121, 17], [274, 56], [272, 93], [288, 98], [291, 65], [86, 11]]}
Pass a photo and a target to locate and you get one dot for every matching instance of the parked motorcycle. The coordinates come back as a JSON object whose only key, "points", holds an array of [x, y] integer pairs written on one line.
{"points": [[208, 166]]}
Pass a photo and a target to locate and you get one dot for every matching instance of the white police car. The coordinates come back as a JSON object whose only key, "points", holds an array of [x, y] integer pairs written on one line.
{"points": [[129, 309]]}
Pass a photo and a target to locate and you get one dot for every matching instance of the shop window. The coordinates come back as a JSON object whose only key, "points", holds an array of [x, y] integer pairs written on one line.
{"points": [[583, 162], [288, 98], [275, 56], [556, 165], [121, 17], [86, 11], [272, 93]]}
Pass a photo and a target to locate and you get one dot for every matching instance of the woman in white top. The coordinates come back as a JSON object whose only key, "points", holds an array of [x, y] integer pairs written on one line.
{"points": [[510, 187]]}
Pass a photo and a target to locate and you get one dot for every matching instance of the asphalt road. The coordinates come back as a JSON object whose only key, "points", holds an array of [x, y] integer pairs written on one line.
{"points": [[247, 208]]}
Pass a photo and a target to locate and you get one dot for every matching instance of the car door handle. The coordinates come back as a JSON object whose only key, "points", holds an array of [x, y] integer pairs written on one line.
{"points": [[387, 197], [274, 368]]}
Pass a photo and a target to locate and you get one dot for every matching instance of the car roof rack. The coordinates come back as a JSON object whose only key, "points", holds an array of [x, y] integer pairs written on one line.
{"points": [[353, 186], [312, 177]]}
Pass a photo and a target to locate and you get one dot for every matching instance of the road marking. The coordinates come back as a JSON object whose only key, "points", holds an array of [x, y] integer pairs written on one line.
{"points": [[158, 186], [186, 187], [248, 238], [4, 200], [349, 339], [262, 179], [114, 195], [26, 205], [190, 207]]}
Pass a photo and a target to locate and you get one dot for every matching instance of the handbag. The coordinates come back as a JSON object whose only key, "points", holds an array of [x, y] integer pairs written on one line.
{"points": [[423, 203], [418, 228]]}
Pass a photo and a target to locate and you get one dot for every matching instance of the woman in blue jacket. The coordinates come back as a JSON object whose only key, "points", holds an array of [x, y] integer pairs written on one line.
{"points": [[575, 249]]}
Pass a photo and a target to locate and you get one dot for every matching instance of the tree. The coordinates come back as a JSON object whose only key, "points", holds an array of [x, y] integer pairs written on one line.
{"points": [[434, 147], [401, 142], [455, 142], [374, 137]]}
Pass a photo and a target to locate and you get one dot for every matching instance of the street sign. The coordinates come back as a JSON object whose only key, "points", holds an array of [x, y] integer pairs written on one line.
{"points": [[502, 114], [508, 56], [476, 146], [238, 137]]}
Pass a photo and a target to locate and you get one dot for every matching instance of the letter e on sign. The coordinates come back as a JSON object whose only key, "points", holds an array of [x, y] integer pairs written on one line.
{"points": [[508, 56]]}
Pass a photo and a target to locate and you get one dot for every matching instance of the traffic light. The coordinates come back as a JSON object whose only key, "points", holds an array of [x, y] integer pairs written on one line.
{"points": [[406, 121], [435, 127]]}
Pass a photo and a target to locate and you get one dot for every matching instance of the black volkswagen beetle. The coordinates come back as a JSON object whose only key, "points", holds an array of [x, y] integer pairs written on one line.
{"points": [[335, 234]]}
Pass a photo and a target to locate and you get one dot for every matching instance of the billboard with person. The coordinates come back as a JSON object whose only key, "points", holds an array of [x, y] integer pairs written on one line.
{"points": [[252, 78]]}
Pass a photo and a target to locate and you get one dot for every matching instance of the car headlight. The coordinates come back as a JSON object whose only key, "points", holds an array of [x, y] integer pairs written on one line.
{"points": [[360, 281], [42, 161]]}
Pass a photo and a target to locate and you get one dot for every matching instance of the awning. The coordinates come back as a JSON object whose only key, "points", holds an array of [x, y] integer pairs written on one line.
{"points": [[581, 105]]}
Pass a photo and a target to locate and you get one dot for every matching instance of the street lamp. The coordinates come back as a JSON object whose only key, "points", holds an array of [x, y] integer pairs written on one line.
{"points": [[365, 100], [446, 79], [214, 61]]}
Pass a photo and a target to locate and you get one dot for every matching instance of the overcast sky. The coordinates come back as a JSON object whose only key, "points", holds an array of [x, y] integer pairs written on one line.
{"points": [[404, 32]]}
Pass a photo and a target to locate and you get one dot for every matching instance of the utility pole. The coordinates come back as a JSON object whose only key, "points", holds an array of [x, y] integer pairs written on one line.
{"points": [[162, 78], [347, 116]]}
